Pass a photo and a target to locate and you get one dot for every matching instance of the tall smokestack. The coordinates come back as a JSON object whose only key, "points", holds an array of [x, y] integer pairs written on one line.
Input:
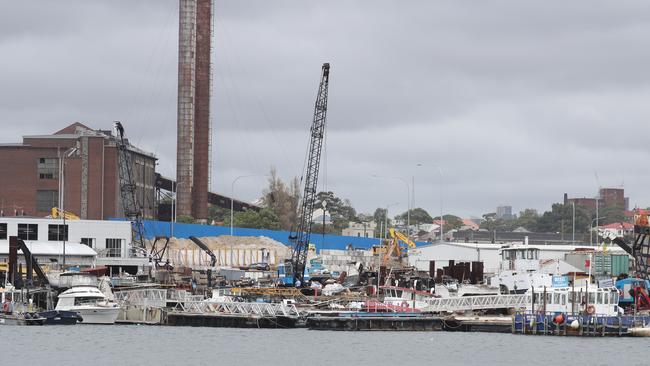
{"points": [[202, 109], [193, 143]]}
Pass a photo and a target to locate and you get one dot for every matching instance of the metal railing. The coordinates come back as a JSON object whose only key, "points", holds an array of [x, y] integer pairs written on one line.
{"points": [[239, 308], [151, 297], [477, 303]]}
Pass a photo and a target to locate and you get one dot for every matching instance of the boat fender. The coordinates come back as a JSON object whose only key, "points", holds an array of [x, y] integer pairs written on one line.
{"points": [[591, 309], [575, 324], [5, 307]]}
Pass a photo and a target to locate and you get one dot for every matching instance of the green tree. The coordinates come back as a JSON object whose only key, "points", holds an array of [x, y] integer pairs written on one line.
{"points": [[380, 218], [262, 219], [218, 214], [282, 199], [185, 219], [451, 222], [340, 210], [611, 215], [417, 216], [560, 219], [528, 219]]}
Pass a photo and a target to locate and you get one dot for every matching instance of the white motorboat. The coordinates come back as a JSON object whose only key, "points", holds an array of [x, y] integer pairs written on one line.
{"points": [[93, 306]]}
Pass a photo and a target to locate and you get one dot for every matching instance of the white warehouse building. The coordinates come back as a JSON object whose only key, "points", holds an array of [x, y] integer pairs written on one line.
{"points": [[87, 242], [442, 253]]}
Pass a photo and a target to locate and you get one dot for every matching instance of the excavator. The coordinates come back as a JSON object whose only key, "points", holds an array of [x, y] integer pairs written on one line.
{"points": [[637, 287], [394, 249]]}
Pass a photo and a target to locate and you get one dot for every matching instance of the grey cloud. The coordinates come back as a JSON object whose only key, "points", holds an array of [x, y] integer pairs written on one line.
{"points": [[517, 101]]}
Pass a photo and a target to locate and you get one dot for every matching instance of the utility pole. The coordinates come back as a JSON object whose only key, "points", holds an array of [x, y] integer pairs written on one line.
{"points": [[573, 235]]}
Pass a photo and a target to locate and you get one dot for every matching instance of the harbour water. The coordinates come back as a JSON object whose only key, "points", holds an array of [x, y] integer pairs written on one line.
{"points": [[149, 345]]}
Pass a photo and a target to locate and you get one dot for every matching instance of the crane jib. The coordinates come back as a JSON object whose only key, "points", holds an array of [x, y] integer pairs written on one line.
{"points": [[317, 133]]}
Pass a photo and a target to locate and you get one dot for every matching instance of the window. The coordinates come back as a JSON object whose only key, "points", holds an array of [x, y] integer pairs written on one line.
{"points": [[45, 200], [3, 231], [57, 232], [599, 298], [48, 168], [28, 231], [88, 241], [78, 301], [113, 247]]}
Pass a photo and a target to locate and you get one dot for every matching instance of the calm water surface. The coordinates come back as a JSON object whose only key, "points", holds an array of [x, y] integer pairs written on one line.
{"points": [[148, 345]]}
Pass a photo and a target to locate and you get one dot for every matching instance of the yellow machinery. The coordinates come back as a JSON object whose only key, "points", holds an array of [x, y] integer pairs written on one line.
{"points": [[57, 214], [394, 248]]}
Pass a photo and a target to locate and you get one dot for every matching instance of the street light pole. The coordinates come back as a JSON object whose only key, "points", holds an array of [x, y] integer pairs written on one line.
{"points": [[573, 235], [408, 200], [442, 232], [591, 230], [68, 153]]}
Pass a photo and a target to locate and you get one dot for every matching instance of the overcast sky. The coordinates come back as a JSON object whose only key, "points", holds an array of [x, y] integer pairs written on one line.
{"points": [[516, 101]]}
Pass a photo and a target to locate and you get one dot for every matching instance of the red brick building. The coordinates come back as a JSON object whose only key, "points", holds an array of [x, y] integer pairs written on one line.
{"points": [[30, 173]]}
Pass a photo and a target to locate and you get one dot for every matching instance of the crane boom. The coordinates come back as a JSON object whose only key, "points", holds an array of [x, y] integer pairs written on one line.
{"points": [[128, 195], [317, 133]]}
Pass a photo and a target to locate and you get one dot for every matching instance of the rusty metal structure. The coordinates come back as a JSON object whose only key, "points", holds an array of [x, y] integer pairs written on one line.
{"points": [[194, 86], [128, 189], [640, 248]]}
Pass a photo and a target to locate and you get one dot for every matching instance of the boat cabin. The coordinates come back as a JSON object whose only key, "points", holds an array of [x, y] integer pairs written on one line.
{"points": [[519, 258], [406, 297], [569, 300]]}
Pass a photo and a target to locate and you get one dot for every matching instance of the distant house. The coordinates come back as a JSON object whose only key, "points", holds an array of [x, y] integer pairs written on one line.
{"points": [[469, 224], [360, 229], [319, 215], [615, 230]]}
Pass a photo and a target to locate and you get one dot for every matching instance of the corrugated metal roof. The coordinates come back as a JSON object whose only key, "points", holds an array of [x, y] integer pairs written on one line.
{"points": [[52, 248]]}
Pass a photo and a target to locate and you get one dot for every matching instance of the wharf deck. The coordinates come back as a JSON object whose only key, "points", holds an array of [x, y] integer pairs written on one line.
{"points": [[484, 324], [376, 322], [175, 318]]}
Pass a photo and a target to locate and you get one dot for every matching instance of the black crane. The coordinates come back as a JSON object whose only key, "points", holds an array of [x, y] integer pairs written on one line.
{"points": [[128, 195], [296, 267], [640, 248], [208, 251]]}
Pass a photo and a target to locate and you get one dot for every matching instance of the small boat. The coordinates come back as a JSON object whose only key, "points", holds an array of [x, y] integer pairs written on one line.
{"points": [[60, 317], [21, 319], [406, 299], [590, 300], [89, 302]]}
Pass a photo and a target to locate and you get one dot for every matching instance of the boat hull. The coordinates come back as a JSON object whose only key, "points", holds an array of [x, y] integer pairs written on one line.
{"points": [[98, 315], [60, 317]]}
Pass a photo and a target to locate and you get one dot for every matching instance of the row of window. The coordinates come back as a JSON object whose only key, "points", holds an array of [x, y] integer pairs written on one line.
{"points": [[56, 232]]}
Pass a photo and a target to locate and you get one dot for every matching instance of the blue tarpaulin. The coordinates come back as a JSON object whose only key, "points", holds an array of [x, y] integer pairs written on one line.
{"points": [[163, 228]]}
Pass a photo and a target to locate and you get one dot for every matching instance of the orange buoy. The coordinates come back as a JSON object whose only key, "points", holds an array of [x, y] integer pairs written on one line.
{"points": [[559, 319]]}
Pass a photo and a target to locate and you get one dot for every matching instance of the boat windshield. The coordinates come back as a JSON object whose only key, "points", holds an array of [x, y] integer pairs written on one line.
{"points": [[86, 300]]}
